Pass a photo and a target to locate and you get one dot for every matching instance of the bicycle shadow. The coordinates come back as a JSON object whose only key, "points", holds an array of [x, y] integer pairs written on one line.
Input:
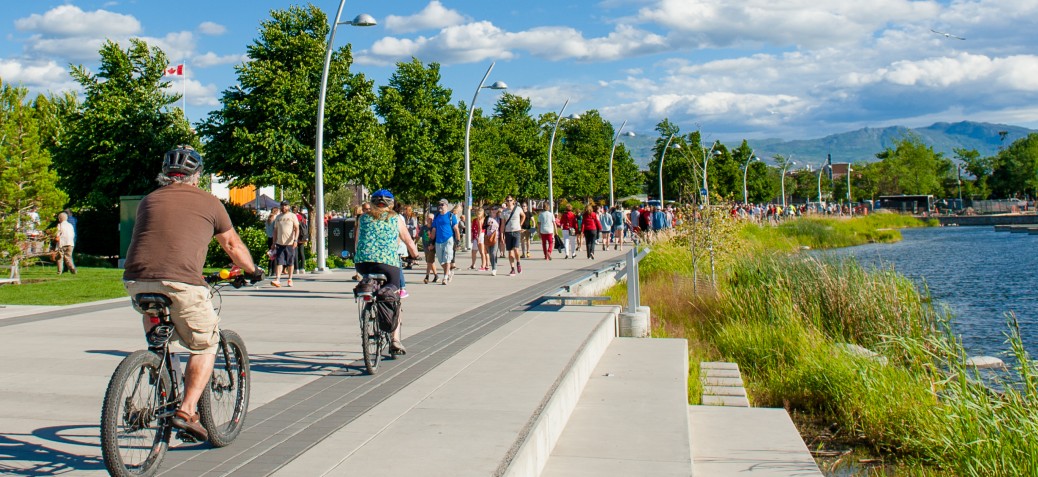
{"points": [[109, 352], [28, 458], [316, 363]]}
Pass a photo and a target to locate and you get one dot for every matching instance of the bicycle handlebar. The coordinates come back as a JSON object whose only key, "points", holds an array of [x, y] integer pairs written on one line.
{"points": [[235, 277]]}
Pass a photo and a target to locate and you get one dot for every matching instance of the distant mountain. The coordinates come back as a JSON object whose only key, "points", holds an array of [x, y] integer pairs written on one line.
{"points": [[863, 144]]}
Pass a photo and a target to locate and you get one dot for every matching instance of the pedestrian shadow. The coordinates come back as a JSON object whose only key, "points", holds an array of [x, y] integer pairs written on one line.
{"points": [[316, 363], [23, 457]]}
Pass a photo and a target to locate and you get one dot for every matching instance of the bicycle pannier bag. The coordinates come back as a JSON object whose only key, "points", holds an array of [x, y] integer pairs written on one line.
{"points": [[387, 308]]}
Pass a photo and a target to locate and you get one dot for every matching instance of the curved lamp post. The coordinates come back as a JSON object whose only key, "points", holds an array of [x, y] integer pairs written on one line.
{"points": [[820, 171], [322, 251], [551, 144], [784, 167], [468, 130], [663, 156], [745, 169], [612, 203]]}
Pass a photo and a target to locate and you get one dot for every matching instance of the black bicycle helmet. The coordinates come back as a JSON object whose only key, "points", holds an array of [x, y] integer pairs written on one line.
{"points": [[383, 198], [182, 160]]}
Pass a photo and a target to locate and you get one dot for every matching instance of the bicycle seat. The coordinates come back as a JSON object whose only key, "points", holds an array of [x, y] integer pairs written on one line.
{"points": [[377, 277], [148, 300]]}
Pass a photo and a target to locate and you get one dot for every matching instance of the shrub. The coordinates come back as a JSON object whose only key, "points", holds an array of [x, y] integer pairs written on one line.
{"points": [[254, 238]]}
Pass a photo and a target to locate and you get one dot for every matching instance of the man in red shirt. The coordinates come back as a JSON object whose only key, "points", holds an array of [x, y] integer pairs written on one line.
{"points": [[568, 222]]}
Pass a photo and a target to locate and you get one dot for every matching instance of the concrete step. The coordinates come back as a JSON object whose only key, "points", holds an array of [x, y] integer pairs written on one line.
{"points": [[747, 441], [497, 407], [722, 384], [632, 417]]}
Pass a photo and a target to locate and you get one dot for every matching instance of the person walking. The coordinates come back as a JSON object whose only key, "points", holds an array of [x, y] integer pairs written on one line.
{"points": [[590, 226], [478, 244], [527, 232], [492, 233], [428, 238], [445, 225], [411, 222], [512, 219], [618, 227], [568, 222], [546, 229], [66, 242], [304, 237], [606, 219], [286, 236]]}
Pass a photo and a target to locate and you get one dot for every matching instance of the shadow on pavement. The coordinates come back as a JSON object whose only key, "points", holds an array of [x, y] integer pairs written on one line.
{"points": [[318, 363], [19, 457]]}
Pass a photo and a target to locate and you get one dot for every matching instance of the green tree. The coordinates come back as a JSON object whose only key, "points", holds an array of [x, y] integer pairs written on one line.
{"points": [[508, 154], [121, 130], [1015, 169], [582, 165], [27, 181], [265, 132], [678, 163], [427, 133], [912, 167], [972, 164]]}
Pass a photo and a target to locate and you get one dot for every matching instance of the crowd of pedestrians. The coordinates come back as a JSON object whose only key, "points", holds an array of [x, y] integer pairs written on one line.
{"points": [[773, 213]]}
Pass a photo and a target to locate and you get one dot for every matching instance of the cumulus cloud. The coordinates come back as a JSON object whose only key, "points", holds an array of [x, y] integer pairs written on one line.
{"points": [[71, 21], [38, 76], [198, 94], [210, 59], [211, 28], [433, 16]]}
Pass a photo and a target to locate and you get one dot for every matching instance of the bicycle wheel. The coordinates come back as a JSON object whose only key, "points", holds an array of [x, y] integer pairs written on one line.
{"points": [[225, 401], [370, 338], [134, 437]]}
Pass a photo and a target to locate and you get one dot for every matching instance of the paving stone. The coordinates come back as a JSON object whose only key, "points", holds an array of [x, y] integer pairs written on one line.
{"points": [[733, 401], [718, 365], [724, 391], [721, 381]]}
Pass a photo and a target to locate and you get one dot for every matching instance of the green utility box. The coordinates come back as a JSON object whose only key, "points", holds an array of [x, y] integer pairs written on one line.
{"points": [[127, 217]]}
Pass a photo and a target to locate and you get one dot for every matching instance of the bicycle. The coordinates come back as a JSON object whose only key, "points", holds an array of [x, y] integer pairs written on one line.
{"points": [[374, 339], [147, 388]]}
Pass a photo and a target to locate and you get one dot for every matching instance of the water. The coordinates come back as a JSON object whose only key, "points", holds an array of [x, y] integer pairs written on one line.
{"points": [[979, 274]]}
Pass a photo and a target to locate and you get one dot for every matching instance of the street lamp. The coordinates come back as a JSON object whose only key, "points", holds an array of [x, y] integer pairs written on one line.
{"points": [[468, 130], [551, 144], [821, 169], [612, 203], [663, 156], [318, 216], [745, 169], [706, 159], [784, 167]]}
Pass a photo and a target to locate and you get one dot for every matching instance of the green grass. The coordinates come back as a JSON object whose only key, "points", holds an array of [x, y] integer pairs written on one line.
{"points": [[786, 317], [41, 285], [823, 233]]}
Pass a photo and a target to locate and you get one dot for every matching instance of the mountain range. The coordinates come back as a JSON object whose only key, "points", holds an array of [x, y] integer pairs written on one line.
{"points": [[863, 144]]}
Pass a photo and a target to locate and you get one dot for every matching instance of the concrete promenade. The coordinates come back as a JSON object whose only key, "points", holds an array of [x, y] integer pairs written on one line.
{"points": [[304, 347]]}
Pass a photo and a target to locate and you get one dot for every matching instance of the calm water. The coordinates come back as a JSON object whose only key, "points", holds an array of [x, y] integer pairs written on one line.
{"points": [[978, 273]]}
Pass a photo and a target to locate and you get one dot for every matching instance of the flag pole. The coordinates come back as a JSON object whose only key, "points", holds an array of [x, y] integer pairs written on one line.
{"points": [[183, 96]]}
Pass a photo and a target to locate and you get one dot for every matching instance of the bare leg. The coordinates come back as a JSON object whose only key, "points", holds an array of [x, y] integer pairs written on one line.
{"points": [[196, 378]]}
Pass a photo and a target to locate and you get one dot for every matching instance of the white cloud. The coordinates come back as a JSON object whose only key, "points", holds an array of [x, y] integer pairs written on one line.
{"points": [[38, 76], [552, 97], [211, 28], [433, 16], [198, 94], [71, 21], [212, 59]]}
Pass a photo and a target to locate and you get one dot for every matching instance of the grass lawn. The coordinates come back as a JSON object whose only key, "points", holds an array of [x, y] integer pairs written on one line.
{"points": [[41, 285]]}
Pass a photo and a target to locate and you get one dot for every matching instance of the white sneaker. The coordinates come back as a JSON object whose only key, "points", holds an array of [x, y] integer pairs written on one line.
{"points": [[493, 272]]}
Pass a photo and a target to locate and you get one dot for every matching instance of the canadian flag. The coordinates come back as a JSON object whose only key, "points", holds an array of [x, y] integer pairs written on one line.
{"points": [[177, 70]]}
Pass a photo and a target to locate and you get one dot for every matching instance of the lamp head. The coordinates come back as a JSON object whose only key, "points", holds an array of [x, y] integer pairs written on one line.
{"points": [[364, 20], [675, 146], [629, 134], [498, 85], [573, 116]]}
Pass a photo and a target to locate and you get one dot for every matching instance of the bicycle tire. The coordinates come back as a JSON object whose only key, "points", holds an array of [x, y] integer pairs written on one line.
{"points": [[135, 423], [223, 406], [370, 338]]}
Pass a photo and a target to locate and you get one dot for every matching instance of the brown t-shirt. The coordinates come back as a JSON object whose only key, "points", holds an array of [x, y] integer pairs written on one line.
{"points": [[172, 233]]}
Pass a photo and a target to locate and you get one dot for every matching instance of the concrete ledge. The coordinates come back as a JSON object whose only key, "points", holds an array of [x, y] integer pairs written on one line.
{"points": [[718, 365], [751, 442], [725, 390], [632, 417], [722, 373], [722, 381], [733, 401]]}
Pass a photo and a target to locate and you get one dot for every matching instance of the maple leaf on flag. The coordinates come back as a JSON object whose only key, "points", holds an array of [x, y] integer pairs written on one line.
{"points": [[177, 70]]}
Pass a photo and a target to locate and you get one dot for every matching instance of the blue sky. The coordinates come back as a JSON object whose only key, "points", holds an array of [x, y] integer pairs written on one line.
{"points": [[791, 69]]}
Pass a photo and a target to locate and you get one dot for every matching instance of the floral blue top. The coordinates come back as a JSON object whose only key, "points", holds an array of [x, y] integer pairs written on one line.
{"points": [[378, 241]]}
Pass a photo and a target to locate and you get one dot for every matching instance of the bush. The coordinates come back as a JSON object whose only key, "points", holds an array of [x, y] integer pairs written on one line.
{"points": [[254, 238], [243, 217]]}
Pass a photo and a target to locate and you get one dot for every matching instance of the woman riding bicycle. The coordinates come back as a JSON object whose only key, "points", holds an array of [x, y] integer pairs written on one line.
{"points": [[379, 232]]}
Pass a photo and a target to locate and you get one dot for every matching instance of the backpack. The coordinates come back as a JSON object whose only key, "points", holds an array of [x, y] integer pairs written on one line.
{"points": [[304, 229], [387, 308]]}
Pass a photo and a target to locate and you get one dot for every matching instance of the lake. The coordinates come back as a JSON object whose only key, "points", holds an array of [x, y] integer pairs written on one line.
{"points": [[979, 274]]}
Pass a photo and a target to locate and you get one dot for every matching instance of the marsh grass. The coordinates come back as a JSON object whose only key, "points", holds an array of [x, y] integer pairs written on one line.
{"points": [[785, 319]]}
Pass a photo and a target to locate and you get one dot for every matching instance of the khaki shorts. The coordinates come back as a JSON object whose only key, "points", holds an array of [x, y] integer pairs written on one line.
{"points": [[197, 324]]}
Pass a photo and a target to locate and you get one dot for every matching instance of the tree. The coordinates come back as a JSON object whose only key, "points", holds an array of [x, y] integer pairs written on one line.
{"points": [[426, 131], [1015, 171], [121, 130], [911, 167], [26, 178], [582, 163], [979, 167], [265, 132], [508, 154]]}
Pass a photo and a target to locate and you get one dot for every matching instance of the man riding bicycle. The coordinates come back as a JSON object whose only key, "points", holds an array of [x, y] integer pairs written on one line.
{"points": [[167, 251], [379, 231]]}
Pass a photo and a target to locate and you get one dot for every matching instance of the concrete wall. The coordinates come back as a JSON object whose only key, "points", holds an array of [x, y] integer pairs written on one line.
{"points": [[988, 220]]}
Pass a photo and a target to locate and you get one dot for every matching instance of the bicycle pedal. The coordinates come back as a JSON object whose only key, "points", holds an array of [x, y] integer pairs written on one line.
{"points": [[185, 437]]}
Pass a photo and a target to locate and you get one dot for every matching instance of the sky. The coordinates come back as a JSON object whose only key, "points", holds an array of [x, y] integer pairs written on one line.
{"points": [[753, 69]]}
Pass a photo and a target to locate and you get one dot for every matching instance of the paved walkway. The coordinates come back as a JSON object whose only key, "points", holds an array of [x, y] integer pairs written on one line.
{"points": [[304, 347]]}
